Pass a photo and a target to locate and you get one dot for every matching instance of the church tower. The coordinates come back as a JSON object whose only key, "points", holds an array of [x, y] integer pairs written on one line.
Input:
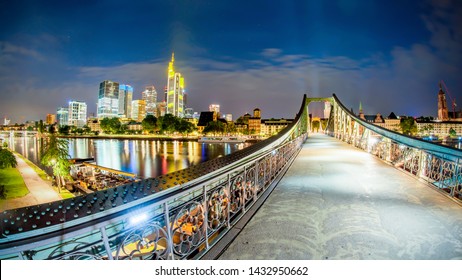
{"points": [[442, 106]]}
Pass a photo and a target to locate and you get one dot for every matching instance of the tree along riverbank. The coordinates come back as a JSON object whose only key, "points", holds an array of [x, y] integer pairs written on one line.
{"points": [[134, 137]]}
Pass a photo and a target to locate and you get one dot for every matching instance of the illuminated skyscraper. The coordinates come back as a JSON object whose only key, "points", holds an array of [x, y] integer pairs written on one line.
{"points": [[125, 100], [108, 100], [150, 96], [63, 116], [175, 91], [138, 110], [77, 113]]}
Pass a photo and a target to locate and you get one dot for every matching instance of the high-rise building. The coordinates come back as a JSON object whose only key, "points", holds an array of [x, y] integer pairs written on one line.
{"points": [[442, 106], [138, 110], [51, 119], [63, 116], [77, 113], [175, 91], [161, 108], [108, 100], [150, 96], [114, 100], [229, 117], [125, 100], [188, 113]]}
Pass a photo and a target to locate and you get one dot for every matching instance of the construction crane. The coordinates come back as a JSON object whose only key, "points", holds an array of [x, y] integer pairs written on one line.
{"points": [[453, 101]]}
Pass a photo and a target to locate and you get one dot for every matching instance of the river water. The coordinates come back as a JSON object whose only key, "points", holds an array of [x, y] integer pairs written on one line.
{"points": [[146, 158]]}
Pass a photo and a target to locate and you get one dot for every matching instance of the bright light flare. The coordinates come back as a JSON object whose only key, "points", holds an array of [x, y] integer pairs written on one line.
{"points": [[136, 220]]}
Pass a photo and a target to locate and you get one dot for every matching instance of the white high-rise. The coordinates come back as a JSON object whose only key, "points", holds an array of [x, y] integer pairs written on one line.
{"points": [[150, 96], [77, 113]]}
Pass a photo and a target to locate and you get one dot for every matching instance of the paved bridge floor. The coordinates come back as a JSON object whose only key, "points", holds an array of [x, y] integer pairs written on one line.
{"points": [[338, 202]]}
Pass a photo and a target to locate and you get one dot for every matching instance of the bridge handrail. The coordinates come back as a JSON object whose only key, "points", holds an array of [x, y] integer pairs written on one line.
{"points": [[26, 240], [434, 148]]}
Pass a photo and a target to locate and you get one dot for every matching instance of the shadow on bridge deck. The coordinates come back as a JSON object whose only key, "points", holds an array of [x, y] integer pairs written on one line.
{"points": [[338, 202]]}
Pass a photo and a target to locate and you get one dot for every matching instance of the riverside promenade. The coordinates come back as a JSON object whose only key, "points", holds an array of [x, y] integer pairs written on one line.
{"points": [[40, 191], [338, 202]]}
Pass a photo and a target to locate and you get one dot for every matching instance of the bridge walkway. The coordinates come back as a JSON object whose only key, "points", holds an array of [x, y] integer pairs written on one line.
{"points": [[338, 202]]}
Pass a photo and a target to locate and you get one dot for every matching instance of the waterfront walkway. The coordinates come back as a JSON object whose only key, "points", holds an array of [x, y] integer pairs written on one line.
{"points": [[338, 202], [40, 191]]}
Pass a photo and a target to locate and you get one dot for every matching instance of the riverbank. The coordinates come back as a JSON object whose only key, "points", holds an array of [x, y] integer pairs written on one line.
{"points": [[146, 137], [134, 137], [39, 190], [63, 193]]}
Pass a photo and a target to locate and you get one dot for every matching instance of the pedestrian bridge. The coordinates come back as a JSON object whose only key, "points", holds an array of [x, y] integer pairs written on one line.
{"points": [[197, 212]]}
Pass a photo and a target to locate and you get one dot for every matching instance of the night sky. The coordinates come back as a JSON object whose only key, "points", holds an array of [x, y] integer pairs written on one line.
{"points": [[388, 55]]}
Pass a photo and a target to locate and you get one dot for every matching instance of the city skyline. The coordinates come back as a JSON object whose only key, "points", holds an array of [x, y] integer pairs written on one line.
{"points": [[390, 56]]}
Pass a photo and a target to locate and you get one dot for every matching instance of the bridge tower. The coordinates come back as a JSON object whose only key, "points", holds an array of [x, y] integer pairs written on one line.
{"points": [[318, 99]]}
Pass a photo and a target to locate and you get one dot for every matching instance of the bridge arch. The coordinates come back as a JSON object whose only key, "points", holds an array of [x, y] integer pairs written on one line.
{"points": [[316, 99]]}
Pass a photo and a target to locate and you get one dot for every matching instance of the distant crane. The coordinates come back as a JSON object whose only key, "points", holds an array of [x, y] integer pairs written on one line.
{"points": [[453, 101]]}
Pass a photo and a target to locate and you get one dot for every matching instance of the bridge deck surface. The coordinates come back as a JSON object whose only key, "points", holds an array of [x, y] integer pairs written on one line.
{"points": [[338, 202]]}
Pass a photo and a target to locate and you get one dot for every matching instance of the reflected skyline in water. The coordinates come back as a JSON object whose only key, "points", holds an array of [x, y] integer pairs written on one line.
{"points": [[146, 158]]}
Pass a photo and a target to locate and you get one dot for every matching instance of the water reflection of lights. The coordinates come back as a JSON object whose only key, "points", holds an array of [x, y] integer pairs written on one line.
{"points": [[175, 150], [126, 148], [144, 157]]}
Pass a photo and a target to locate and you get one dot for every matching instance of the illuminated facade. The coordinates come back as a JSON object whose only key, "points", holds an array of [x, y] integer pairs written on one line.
{"points": [[161, 108], [63, 116], [440, 129], [94, 125], [51, 119], [442, 106], [77, 113], [108, 100], [150, 96], [273, 126], [214, 108], [125, 101], [138, 110], [175, 91], [254, 122]]}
